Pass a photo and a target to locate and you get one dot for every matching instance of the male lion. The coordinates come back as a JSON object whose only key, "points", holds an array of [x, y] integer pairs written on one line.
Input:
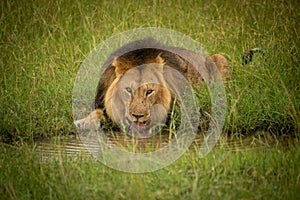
{"points": [[134, 89]]}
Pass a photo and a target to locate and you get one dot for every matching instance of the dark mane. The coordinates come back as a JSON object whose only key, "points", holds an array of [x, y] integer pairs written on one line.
{"points": [[145, 51]]}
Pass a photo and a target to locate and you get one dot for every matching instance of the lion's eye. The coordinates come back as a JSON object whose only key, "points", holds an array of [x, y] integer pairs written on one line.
{"points": [[128, 89], [148, 92]]}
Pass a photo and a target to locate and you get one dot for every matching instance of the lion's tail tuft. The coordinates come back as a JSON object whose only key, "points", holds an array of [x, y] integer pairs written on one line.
{"points": [[247, 55]]}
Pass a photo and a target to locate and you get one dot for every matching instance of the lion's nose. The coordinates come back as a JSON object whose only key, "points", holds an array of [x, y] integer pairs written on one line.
{"points": [[137, 116]]}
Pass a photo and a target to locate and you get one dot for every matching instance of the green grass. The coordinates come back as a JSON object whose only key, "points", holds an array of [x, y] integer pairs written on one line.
{"points": [[230, 171], [43, 44]]}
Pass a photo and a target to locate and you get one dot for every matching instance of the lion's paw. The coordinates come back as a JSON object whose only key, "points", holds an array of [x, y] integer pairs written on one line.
{"points": [[86, 123], [92, 121]]}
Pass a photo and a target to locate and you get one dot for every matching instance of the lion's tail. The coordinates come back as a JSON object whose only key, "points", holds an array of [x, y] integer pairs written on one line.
{"points": [[247, 55]]}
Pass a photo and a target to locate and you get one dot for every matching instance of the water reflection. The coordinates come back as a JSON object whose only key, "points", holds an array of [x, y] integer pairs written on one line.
{"points": [[72, 146]]}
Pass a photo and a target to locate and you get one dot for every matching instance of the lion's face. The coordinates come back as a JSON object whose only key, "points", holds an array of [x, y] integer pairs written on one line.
{"points": [[139, 99], [142, 99]]}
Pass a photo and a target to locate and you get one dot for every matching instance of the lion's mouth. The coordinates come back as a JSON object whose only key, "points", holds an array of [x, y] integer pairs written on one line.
{"points": [[143, 129], [137, 127]]}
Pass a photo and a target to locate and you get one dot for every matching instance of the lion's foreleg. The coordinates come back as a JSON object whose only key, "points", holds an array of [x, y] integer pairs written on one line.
{"points": [[91, 121]]}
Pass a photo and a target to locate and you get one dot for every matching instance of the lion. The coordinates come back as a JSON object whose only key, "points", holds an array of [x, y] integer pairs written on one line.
{"points": [[134, 89]]}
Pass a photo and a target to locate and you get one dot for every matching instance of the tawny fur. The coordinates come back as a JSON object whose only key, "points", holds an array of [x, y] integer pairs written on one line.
{"points": [[193, 67]]}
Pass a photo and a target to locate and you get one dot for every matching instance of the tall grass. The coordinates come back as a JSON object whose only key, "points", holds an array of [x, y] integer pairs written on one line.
{"points": [[228, 172], [43, 43]]}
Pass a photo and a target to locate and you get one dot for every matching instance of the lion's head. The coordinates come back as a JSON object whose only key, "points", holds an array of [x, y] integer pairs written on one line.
{"points": [[138, 98]]}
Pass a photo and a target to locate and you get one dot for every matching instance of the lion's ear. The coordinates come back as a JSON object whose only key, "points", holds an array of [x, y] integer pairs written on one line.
{"points": [[160, 60], [122, 66]]}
